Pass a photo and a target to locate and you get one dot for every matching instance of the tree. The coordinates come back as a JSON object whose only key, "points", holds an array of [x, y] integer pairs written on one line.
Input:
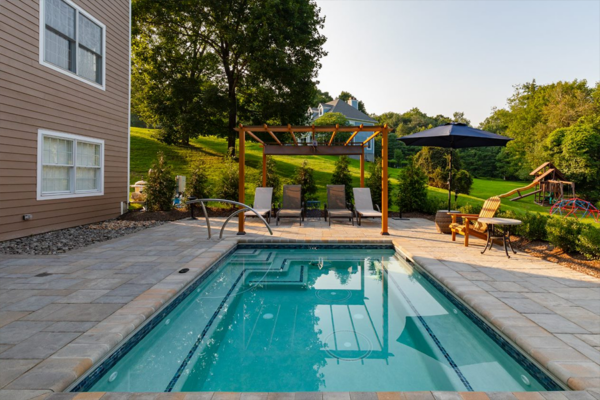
{"points": [[534, 111], [341, 176], [304, 176], [321, 97], [198, 185], [229, 182], [272, 178], [575, 151], [434, 161], [412, 190], [333, 118], [460, 118], [257, 59], [461, 183], [345, 96], [160, 185], [174, 78], [375, 181]]}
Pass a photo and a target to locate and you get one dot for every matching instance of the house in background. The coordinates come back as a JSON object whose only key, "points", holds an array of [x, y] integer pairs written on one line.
{"points": [[64, 113], [355, 117]]}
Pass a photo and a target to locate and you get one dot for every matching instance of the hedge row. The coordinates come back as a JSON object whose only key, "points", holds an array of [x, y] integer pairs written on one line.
{"points": [[565, 233]]}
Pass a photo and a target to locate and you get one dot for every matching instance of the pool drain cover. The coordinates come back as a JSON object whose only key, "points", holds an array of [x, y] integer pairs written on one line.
{"points": [[347, 348], [335, 295]]}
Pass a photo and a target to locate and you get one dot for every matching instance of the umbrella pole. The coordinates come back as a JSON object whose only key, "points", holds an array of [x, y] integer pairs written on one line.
{"points": [[450, 182]]}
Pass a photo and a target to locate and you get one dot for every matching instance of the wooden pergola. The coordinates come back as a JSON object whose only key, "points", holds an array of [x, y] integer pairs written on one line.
{"points": [[347, 147]]}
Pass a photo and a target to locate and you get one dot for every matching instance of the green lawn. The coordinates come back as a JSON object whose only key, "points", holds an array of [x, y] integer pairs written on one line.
{"points": [[211, 149]]}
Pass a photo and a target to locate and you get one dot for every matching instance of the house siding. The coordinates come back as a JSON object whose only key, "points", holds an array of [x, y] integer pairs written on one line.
{"points": [[35, 97]]}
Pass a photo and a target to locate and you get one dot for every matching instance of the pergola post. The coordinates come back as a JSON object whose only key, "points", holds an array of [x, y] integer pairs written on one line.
{"points": [[242, 191], [362, 168], [384, 183], [264, 165]]}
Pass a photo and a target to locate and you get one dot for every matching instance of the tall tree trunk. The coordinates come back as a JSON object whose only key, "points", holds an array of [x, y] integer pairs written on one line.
{"points": [[232, 134]]}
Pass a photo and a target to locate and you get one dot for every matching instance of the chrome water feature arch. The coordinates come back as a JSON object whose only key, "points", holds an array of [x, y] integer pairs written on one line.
{"points": [[245, 207]]}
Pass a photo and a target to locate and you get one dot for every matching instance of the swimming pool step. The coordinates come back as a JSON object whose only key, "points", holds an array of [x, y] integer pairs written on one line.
{"points": [[252, 255], [289, 274]]}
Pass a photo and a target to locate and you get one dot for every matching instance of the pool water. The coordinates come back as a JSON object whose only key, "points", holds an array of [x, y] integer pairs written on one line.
{"points": [[295, 320]]}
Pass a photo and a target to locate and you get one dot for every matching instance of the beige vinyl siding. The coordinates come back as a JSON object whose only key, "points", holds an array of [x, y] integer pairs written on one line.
{"points": [[37, 97]]}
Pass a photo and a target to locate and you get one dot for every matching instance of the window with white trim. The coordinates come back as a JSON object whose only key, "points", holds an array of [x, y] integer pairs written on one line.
{"points": [[69, 165], [72, 41]]}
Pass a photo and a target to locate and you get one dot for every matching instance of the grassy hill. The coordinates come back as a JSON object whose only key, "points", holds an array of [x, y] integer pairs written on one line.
{"points": [[211, 150]]}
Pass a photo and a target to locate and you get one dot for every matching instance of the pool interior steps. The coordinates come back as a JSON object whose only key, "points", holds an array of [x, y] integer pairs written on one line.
{"points": [[263, 268]]}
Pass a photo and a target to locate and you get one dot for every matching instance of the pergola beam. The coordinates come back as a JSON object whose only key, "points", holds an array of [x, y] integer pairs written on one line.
{"points": [[255, 137], [325, 128], [337, 126], [272, 134], [354, 134], [293, 136], [311, 151], [371, 137]]}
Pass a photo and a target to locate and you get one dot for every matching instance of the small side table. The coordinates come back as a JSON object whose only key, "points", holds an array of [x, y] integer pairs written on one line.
{"points": [[491, 223], [314, 205]]}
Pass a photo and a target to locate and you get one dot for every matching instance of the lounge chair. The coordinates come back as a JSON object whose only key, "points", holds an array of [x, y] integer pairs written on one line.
{"points": [[292, 203], [263, 201], [363, 204], [470, 225], [336, 206]]}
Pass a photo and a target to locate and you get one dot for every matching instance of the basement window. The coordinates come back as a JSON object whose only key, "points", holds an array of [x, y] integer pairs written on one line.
{"points": [[69, 166]]}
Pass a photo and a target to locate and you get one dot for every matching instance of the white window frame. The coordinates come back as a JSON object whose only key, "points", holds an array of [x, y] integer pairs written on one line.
{"points": [[73, 191], [72, 74]]}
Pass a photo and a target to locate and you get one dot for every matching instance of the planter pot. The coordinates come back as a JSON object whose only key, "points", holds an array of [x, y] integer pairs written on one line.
{"points": [[443, 221]]}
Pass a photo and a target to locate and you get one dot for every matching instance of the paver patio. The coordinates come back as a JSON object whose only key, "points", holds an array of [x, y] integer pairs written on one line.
{"points": [[61, 314]]}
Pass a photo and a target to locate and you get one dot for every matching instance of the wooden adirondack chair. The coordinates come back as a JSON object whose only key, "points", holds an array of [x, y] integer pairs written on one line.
{"points": [[470, 225]]}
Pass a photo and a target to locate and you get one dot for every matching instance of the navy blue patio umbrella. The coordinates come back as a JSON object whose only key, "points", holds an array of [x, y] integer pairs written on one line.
{"points": [[454, 135]]}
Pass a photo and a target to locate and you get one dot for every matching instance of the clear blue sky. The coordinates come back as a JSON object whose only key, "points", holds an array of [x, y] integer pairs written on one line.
{"points": [[446, 56]]}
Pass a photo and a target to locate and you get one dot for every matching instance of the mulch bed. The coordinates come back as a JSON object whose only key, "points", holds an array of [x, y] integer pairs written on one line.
{"points": [[546, 251], [63, 240]]}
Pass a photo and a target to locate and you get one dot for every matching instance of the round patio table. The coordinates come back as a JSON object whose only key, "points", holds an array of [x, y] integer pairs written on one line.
{"points": [[505, 236]]}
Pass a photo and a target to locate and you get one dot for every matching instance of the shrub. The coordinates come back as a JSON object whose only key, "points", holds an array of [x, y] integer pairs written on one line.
{"points": [[534, 226], [197, 185], [563, 233], [514, 230], [461, 183], [160, 186], [272, 178], [229, 181], [588, 243], [412, 190], [305, 178], [398, 157], [470, 208], [431, 206], [341, 176], [434, 161], [374, 182]]}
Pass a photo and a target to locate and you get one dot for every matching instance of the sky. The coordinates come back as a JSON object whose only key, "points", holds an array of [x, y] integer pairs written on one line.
{"points": [[444, 56]]}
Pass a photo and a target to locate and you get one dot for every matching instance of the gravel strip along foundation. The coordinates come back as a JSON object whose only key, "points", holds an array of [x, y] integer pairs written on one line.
{"points": [[61, 241]]}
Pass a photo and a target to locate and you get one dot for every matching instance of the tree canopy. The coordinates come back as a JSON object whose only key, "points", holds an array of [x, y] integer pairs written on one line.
{"points": [[345, 96], [203, 66]]}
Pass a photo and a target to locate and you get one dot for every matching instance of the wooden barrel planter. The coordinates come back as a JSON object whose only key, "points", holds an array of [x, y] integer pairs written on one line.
{"points": [[443, 221]]}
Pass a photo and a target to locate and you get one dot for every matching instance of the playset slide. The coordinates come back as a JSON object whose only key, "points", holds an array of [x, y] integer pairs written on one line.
{"points": [[518, 190]]}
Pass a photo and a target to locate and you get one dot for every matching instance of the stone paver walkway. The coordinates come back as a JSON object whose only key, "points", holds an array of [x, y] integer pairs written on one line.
{"points": [[61, 314]]}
